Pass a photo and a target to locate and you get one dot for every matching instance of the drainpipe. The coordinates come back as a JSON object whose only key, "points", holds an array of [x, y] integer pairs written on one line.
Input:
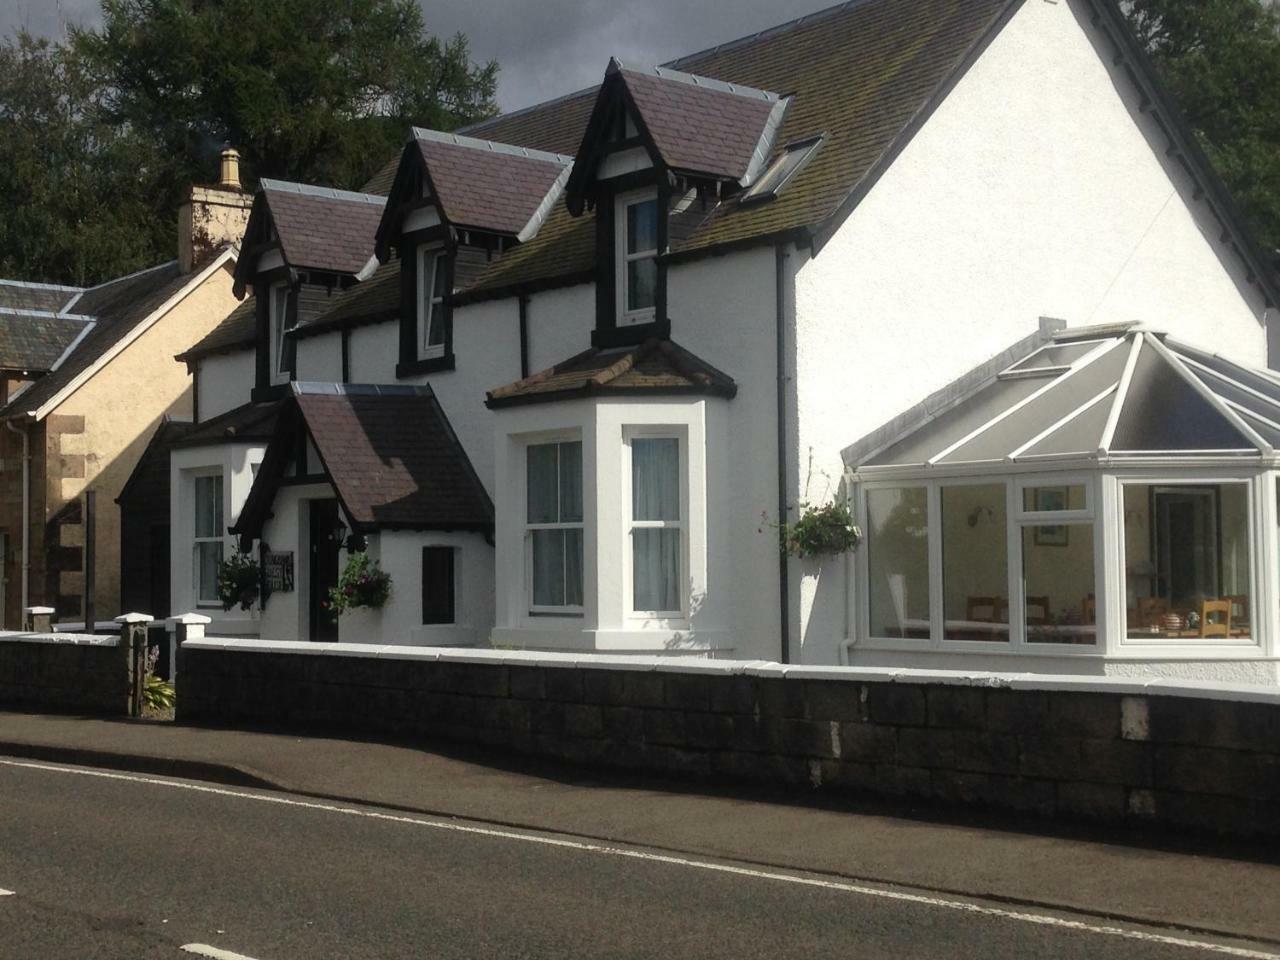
{"points": [[524, 335], [26, 511], [784, 590]]}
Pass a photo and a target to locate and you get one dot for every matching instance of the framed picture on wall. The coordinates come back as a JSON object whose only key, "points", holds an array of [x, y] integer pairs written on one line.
{"points": [[1051, 500]]}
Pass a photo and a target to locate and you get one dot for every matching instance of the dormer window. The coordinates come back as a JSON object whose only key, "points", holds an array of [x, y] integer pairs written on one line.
{"points": [[283, 314], [636, 221], [433, 275]]}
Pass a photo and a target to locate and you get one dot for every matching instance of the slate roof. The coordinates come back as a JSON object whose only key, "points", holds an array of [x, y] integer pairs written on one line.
{"points": [[390, 453], [117, 306], [246, 423], [33, 343], [43, 297], [656, 367], [492, 186], [321, 228]]}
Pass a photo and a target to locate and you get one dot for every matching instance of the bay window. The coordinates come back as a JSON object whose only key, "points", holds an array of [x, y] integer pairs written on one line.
{"points": [[656, 525], [208, 537], [554, 527]]}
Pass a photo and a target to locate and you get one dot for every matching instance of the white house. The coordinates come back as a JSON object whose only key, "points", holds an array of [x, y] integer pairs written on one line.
{"points": [[562, 373]]}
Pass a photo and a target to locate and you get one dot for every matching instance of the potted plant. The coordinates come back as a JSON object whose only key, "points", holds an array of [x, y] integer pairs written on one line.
{"points": [[239, 580], [821, 531], [363, 583]]}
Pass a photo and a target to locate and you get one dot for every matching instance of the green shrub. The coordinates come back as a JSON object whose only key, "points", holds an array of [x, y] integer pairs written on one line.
{"points": [[363, 584]]}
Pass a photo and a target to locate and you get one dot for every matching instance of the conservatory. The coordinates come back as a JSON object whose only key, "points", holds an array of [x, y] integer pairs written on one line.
{"points": [[1108, 500]]}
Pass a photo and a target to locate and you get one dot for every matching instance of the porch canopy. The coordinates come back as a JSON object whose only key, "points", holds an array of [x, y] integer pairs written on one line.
{"points": [[1112, 488]]}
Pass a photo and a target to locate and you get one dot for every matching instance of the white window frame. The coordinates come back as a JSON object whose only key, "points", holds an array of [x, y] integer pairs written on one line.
{"points": [[1255, 525], [656, 432], [220, 538], [1016, 519], [623, 257], [430, 308], [545, 610], [277, 328]]}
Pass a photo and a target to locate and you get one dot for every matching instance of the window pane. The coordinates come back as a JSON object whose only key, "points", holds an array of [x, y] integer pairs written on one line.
{"points": [[898, 561], [548, 568], [208, 506], [655, 480], [208, 556], [573, 568], [437, 585], [655, 554], [439, 276], [1187, 563], [543, 483], [571, 482], [642, 284], [975, 563], [1053, 499], [1058, 573], [642, 226]]}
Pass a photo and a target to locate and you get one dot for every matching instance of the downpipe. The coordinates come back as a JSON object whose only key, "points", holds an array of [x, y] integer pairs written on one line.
{"points": [[784, 586], [26, 513]]}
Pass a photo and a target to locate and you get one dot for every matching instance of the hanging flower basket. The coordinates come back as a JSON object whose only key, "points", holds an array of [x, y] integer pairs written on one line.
{"points": [[363, 584], [238, 581], [824, 531]]}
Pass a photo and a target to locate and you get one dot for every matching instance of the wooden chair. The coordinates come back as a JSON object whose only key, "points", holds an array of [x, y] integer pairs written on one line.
{"points": [[1037, 610], [1210, 627], [1239, 613], [983, 609]]}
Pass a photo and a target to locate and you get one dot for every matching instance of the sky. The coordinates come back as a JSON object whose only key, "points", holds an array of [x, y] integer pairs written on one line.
{"points": [[545, 48]]}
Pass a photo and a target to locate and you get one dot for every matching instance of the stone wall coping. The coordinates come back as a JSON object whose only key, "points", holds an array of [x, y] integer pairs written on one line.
{"points": [[188, 619], [1123, 686], [65, 639], [40, 610]]}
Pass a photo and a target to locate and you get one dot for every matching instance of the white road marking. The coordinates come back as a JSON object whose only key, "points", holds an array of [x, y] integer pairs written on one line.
{"points": [[6, 893], [900, 896], [204, 950]]}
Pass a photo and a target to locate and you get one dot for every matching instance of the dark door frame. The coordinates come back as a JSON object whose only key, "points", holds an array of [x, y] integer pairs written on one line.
{"points": [[322, 569]]}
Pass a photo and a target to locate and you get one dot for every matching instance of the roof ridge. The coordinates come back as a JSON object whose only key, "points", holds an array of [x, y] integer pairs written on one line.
{"points": [[33, 285], [130, 276], [494, 146], [313, 190], [694, 80]]}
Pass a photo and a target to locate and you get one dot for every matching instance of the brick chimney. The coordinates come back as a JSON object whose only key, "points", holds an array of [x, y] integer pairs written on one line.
{"points": [[213, 215]]}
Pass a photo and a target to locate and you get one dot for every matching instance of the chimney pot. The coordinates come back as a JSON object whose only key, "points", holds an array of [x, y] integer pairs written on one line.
{"points": [[230, 172]]}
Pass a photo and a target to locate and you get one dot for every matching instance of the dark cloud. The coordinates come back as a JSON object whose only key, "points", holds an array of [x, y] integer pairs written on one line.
{"points": [[545, 48]]}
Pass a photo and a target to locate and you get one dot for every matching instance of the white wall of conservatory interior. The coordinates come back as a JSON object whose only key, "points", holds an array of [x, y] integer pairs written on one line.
{"points": [[236, 462], [286, 616], [1036, 189], [723, 309], [225, 382], [320, 358], [399, 552]]}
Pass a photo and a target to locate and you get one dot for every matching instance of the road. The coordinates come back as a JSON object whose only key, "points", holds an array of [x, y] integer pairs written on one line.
{"points": [[98, 866]]}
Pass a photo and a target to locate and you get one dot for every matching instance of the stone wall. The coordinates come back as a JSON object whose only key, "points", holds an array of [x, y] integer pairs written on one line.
{"points": [[1098, 750], [64, 672]]}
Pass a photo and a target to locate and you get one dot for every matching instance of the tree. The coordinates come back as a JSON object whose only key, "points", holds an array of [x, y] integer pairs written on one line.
{"points": [[101, 137], [73, 189], [1221, 61]]}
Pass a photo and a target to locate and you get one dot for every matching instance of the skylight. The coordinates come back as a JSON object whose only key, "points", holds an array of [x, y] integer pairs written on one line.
{"points": [[784, 167]]}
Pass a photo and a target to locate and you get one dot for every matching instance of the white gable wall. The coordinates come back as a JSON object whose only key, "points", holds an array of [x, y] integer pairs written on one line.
{"points": [[1037, 188], [224, 382]]}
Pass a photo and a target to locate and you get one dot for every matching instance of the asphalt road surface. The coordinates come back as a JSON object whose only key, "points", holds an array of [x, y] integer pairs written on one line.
{"points": [[98, 866]]}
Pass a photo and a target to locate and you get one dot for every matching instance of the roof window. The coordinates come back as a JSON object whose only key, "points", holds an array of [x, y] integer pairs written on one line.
{"points": [[784, 167]]}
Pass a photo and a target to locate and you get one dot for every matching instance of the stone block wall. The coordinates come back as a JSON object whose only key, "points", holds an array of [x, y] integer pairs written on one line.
{"points": [[1117, 754], [64, 673]]}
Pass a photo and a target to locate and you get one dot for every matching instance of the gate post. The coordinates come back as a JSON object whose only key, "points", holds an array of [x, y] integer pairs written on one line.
{"points": [[184, 627], [133, 642]]}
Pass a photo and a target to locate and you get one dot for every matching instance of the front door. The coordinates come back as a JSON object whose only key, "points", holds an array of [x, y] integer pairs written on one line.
{"points": [[324, 569]]}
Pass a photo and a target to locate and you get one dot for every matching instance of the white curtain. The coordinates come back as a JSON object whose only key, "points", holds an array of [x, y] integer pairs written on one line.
{"points": [[655, 497]]}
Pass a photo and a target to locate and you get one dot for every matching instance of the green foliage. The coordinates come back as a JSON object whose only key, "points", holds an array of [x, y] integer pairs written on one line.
{"points": [[101, 137], [238, 581], [824, 531], [363, 584], [157, 694], [1221, 61]]}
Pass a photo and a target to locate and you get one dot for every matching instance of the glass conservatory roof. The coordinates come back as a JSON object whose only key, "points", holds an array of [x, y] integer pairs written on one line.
{"points": [[1135, 393]]}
